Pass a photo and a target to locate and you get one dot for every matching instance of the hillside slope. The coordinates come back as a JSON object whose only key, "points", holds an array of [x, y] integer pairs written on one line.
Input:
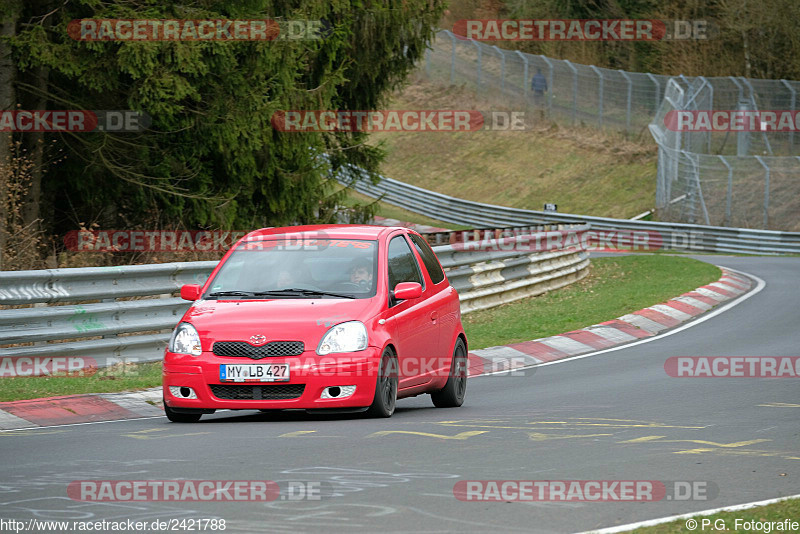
{"points": [[581, 170]]}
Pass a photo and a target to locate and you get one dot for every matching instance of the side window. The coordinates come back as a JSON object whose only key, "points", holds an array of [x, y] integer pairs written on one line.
{"points": [[428, 258], [402, 264]]}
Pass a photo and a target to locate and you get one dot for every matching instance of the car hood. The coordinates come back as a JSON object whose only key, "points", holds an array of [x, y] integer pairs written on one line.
{"points": [[304, 320]]}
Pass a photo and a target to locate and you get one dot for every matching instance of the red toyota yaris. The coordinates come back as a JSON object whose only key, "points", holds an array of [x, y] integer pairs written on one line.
{"points": [[331, 317]]}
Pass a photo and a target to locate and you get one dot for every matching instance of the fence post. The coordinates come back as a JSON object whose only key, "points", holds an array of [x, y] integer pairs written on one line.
{"points": [[755, 107], [549, 85], [600, 96], [658, 90], [574, 91], [710, 106], [729, 195], [696, 187], [478, 46], [794, 101], [452, 57], [766, 192], [525, 82], [628, 100], [502, 68]]}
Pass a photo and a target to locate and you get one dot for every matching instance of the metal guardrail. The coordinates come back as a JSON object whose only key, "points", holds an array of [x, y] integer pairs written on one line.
{"points": [[669, 236], [69, 285], [118, 326], [138, 329]]}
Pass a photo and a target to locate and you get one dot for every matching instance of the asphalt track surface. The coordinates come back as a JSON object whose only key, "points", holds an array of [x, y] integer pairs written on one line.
{"points": [[614, 416]]}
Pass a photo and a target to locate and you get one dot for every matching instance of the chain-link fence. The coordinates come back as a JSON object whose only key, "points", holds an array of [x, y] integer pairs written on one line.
{"points": [[745, 179], [699, 181]]}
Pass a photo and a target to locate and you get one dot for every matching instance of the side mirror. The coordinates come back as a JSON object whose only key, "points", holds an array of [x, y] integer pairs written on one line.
{"points": [[191, 291], [407, 291]]}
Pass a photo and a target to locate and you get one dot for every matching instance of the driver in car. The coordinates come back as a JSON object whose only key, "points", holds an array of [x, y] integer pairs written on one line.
{"points": [[361, 273]]}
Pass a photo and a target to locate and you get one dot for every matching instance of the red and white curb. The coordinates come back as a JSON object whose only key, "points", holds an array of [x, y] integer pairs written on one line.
{"points": [[644, 323], [628, 328], [80, 409]]}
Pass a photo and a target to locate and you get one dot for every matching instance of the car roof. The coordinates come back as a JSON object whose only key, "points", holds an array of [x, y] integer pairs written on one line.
{"points": [[332, 231]]}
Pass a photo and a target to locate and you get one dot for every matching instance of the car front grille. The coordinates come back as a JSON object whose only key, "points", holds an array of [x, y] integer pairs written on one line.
{"points": [[257, 392], [246, 350]]}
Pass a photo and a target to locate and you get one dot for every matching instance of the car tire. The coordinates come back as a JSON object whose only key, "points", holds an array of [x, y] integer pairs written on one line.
{"points": [[177, 417], [453, 393], [385, 399]]}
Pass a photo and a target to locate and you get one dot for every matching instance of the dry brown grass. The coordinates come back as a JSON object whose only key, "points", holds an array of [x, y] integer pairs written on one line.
{"points": [[582, 170]]}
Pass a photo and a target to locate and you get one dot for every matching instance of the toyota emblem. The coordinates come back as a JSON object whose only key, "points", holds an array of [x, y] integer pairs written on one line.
{"points": [[258, 339]]}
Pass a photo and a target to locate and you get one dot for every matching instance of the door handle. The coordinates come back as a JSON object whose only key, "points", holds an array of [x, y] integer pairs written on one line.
{"points": [[434, 316]]}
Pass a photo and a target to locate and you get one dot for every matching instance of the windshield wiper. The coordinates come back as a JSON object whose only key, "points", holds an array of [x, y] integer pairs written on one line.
{"points": [[232, 294], [302, 291]]}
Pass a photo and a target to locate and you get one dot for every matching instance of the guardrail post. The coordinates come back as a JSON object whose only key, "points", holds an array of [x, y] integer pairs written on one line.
{"points": [[549, 84], [766, 192], [628, 101], [729, 194], [574, 91], [525, 72], [794, 101], [599, 96]]}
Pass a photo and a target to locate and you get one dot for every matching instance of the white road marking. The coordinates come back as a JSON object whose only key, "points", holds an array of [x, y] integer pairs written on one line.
{"points": [[651, 522]]}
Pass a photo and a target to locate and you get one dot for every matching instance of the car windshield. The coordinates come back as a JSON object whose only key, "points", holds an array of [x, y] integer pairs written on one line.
{"points": [[298, 268]]}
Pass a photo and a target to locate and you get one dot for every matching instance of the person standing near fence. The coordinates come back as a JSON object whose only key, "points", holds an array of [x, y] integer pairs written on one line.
{"points": [[539, 87]]}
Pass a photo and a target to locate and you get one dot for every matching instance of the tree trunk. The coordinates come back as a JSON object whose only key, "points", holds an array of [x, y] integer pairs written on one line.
{"points": [[8, 71]]}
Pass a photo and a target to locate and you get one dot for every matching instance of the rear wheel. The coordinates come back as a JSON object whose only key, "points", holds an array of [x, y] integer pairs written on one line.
{"points": [[385, 388], [177, 417], [453, 393]]}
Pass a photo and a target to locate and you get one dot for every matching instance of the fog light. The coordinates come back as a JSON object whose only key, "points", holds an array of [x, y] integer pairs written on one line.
{"points": [[337, 392], [182, 392]]}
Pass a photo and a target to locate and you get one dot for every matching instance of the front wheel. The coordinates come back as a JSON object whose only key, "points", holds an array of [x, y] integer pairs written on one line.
{"points": [[453, 393], [385, 388], [177, 417]]}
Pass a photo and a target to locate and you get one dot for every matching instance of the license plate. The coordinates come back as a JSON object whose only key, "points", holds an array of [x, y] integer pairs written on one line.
{"points": [[260, 372]]}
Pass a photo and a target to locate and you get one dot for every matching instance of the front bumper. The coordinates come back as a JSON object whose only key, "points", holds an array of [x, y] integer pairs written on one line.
{"points": [[309, 375]]}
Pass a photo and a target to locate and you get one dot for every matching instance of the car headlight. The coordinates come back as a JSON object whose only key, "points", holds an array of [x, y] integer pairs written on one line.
{"points": [[344, 337], [185, 340]]}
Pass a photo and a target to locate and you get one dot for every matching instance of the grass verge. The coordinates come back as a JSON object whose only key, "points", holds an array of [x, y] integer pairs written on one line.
{"points": [[614, 286], [727, 521], [117, 378]]}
